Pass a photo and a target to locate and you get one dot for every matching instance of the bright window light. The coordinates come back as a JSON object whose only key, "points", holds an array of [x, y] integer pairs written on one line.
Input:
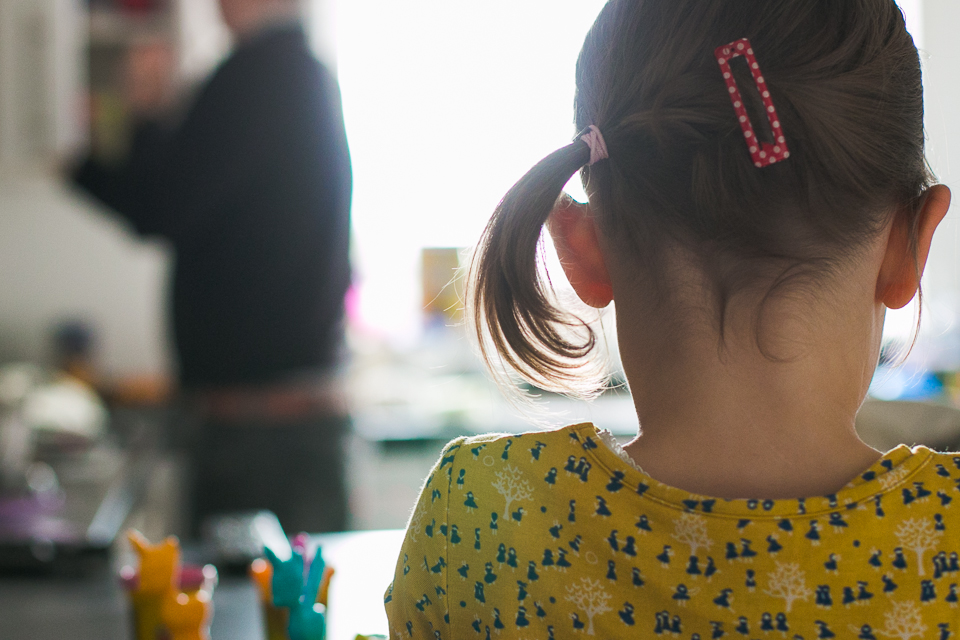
{"points": [[902, 323], [912, 12], [447, 105]]}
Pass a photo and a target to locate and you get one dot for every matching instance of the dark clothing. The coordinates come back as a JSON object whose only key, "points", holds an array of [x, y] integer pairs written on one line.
{"points": [[296, 471], [253, 190]]}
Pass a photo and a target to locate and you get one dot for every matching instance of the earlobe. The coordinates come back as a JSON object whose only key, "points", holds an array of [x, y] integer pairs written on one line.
{"points": [[904, 262], [574, 232]]}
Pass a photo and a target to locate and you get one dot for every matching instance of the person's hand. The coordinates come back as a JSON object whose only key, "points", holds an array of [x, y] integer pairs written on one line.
{"points": [[149, 78]]}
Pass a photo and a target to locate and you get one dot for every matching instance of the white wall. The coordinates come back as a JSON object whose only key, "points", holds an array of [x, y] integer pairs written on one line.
{"points": [[934, 24], [941, 49], [447, 104], [41, 77], [62, 259], [204, 39]]}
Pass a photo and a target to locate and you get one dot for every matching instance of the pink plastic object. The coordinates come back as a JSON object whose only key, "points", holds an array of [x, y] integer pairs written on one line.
{"points": [[129, 578], [598, 146], [300, 542], [192, 577], [763, 153]]}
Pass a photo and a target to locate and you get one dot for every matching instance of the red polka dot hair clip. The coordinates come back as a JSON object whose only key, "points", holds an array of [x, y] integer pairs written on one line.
{"points": [[763, 153]]}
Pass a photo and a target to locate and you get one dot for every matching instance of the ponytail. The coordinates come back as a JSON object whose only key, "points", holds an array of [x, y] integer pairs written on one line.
{"points": [[511, 307]]}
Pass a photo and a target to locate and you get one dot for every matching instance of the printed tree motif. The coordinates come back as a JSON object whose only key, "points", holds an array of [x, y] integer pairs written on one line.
{"points": [[512, 486], [416, 521], [893, 477], [788, 582], [920, 536], [589, 596], [691, 529], [904, 621]]}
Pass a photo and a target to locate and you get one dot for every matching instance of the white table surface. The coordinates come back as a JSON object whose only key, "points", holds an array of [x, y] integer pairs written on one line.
{"points": [[364, 562]]}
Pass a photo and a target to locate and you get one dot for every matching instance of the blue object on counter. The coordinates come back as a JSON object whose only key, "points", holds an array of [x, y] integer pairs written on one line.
{"points": [[905, 383]]}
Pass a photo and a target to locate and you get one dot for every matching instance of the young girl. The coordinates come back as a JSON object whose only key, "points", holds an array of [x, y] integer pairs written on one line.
{"points": [[758, 199]]}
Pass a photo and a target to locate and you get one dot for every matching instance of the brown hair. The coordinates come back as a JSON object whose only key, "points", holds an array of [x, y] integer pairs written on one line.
{"points": [[845, 78]]}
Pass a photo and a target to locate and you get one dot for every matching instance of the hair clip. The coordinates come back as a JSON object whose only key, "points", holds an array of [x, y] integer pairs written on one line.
{"points": [[763, 153]]}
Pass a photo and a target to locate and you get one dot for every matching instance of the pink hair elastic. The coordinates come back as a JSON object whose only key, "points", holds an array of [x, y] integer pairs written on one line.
{"points": [[763, 153], [598, 146]]}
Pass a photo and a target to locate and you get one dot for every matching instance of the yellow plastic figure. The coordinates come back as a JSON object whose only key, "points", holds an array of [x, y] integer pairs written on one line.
{"points": [[186, 616], [170, 602], [275, 618], [158, 576]]}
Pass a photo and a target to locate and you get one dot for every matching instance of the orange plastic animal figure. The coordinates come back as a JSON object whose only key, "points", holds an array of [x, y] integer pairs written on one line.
{"points": [[158, 577], [275, 618], [186, 616]]}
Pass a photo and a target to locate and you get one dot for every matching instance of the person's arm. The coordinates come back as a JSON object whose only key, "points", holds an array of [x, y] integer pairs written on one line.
{"points": [[174, 181], [150, 97], [113, 183], [416, 601]]}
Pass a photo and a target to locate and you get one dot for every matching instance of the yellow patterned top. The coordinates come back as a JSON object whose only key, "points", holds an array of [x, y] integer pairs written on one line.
{"points": [[554, 535]]}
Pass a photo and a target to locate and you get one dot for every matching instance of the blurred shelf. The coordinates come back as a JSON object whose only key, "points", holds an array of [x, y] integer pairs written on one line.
{"points": [[111, 27]]}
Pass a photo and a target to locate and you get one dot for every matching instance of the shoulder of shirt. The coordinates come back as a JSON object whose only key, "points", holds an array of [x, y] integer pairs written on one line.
{"points": [[945, 458], [948, 455], [490, 438], [925, 452], [559, 434], [927, 465]]}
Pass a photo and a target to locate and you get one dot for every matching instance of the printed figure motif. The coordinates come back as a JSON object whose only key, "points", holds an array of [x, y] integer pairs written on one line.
{"points": [[919, 536], [590, 574], [511, 484]]}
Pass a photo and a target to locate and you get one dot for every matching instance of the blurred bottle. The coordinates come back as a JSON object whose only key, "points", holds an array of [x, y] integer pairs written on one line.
{"points": [[74, 346]]}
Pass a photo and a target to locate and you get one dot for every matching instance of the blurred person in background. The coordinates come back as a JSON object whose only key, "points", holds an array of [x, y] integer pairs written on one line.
{"points": [[252, 188]]}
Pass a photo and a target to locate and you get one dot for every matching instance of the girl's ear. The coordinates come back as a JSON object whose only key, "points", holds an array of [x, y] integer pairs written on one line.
{"points": [[571, 225], [901, 269]]}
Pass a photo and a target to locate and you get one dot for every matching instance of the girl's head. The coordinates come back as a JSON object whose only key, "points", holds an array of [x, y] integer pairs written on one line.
{"points": [[680, 201]]}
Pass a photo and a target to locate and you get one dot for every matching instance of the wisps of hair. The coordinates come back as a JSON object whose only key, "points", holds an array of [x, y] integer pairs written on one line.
{"points": [[512, 305]]}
